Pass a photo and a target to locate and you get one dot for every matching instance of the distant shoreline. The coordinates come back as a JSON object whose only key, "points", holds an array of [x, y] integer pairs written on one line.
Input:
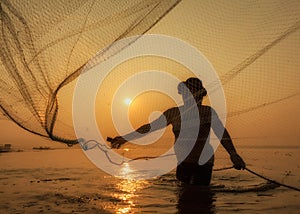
{"points": [[42, 148]]}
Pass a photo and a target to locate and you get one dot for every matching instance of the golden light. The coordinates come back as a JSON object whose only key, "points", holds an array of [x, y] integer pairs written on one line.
{"points": [[127, 101], [126, 170], [128, 194]]}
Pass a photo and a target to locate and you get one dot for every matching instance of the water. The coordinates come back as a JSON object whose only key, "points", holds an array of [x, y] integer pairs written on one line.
{"points": [[64, 181]]}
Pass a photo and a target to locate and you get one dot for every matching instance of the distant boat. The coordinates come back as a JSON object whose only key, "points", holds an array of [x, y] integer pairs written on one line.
{"points": [[5, 148]]}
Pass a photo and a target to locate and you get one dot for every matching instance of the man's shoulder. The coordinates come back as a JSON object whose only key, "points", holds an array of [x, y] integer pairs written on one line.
{"points": [[173, 110], [177, 109], [206, 110]]}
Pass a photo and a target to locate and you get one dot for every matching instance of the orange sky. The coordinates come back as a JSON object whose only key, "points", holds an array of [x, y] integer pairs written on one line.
{"points": [[226, 41]]}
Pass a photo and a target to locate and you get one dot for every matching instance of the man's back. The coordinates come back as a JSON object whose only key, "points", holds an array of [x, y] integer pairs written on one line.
{"points": [[191, 126]]}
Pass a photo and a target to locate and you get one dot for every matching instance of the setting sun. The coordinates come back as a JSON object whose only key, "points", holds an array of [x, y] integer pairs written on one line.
{"points": [[127, 101]]}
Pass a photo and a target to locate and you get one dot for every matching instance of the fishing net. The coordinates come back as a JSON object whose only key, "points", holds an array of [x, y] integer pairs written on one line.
{"points": [[253, 46], [45, 45]]}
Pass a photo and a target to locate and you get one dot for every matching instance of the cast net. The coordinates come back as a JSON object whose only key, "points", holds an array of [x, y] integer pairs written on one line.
{"points": [[253, 46], [45, 45]]}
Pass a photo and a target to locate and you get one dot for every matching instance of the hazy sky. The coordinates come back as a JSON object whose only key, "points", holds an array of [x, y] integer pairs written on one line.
{"points": [[227, 33]]}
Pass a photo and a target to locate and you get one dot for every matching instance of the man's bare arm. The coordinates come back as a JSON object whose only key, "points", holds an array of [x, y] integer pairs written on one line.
{"points": [[140, 132], [226, 142]]}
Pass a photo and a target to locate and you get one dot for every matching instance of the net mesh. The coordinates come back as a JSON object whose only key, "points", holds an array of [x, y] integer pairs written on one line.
{"points": [[254, 47], [44, 46]]}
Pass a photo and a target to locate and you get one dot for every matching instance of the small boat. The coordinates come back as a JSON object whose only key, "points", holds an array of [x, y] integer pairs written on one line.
{"points": [[5, 148]]}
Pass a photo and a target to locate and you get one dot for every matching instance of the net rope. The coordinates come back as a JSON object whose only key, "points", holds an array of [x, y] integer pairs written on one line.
{"points": [[105, 149]]}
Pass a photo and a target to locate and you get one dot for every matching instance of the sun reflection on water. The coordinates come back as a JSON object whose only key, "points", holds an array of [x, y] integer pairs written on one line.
{"points": [[129, 191]]}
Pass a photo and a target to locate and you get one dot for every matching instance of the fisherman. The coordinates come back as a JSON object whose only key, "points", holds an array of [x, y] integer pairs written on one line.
{"points": [[182, 119]]}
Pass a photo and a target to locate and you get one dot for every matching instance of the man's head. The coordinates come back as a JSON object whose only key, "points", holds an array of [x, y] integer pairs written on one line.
{"points": [[194, 85]]}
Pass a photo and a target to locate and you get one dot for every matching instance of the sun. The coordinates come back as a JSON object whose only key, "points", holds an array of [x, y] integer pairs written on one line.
{"points": [[127, 101]]}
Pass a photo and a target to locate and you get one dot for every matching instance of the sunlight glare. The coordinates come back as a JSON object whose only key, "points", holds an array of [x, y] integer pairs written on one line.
{"points": [[128, 195], [127, 101]]}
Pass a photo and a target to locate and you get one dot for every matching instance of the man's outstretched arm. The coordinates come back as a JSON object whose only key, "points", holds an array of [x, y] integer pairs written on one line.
{"points": [[140, 132]]}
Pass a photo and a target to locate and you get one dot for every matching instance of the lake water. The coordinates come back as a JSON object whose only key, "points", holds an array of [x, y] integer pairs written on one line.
{"points": [[65, 181]]}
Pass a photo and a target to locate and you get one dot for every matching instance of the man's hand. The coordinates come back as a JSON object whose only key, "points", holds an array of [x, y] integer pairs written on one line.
{"points": [[238, 162], [117, 142]]}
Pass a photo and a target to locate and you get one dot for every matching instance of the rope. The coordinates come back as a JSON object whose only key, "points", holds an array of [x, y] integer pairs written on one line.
{"points": [[224, 168], [272, 181], [104, 148]]}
